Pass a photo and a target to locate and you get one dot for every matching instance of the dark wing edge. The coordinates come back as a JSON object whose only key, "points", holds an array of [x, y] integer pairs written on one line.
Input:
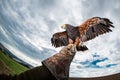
{"points": [[59, 39], [102, 27]]}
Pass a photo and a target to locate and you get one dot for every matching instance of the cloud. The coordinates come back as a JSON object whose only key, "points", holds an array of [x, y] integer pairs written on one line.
{"points": [[26, 27]]}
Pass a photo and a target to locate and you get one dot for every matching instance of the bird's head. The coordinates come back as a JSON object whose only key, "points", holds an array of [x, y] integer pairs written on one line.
{"points": [[64, 26]]}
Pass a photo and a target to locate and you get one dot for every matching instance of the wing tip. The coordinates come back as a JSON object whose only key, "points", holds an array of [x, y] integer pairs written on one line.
{"points": [[107, 22]]}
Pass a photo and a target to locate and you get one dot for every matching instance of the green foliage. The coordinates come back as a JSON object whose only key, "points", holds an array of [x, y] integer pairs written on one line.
{"points": [[13, 66]]}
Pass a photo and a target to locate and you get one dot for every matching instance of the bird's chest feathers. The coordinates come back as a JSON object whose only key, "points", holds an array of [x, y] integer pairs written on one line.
{"points": [[72, 32]]}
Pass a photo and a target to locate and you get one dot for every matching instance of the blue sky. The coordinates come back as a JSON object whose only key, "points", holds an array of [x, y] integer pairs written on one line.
{"points": [[26, 27]]}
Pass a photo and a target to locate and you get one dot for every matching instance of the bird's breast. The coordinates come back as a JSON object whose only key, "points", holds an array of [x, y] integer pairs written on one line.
{"points": [[73, 33]]}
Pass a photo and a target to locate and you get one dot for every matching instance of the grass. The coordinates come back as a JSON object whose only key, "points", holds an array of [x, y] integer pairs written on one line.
{"points": [[13, 66]]}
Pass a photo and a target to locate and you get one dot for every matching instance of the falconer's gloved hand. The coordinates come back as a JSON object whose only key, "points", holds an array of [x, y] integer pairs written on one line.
{"points": [[59, 63]]}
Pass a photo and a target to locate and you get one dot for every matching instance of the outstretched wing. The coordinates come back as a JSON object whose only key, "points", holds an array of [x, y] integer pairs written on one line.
{"points": [[59, 39], [94, 27]]}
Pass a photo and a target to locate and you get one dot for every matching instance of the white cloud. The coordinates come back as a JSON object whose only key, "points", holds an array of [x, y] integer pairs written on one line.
{"points": [[34, 22]]}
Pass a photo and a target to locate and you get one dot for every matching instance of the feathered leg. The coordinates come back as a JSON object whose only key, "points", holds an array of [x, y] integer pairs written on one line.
{"points": [[77, 41], [70, 41], [79, 45]]}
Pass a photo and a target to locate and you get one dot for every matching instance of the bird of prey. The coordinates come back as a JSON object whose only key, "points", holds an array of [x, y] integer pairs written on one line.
{"points": [[77, 35]]}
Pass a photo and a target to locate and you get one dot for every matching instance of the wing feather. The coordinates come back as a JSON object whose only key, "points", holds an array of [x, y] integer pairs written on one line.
{"points": [[59, 39], [94, 27]]}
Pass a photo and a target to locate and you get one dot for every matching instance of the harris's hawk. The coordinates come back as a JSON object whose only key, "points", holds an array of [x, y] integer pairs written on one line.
{"points": [[88, 30]]}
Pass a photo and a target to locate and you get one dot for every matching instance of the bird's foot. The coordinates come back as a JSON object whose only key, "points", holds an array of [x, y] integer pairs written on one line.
{"points": [[72, 47], [70, 44]]}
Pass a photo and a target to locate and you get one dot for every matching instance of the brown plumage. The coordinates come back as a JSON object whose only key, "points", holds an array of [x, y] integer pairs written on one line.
{"points": [[86, 31]]}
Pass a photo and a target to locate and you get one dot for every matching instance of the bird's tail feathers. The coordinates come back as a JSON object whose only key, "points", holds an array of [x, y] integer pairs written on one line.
{"points": [[81, 48]]}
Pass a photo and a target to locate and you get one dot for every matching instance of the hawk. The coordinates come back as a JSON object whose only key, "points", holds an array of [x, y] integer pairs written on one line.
{"points": [[77, 35]]}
